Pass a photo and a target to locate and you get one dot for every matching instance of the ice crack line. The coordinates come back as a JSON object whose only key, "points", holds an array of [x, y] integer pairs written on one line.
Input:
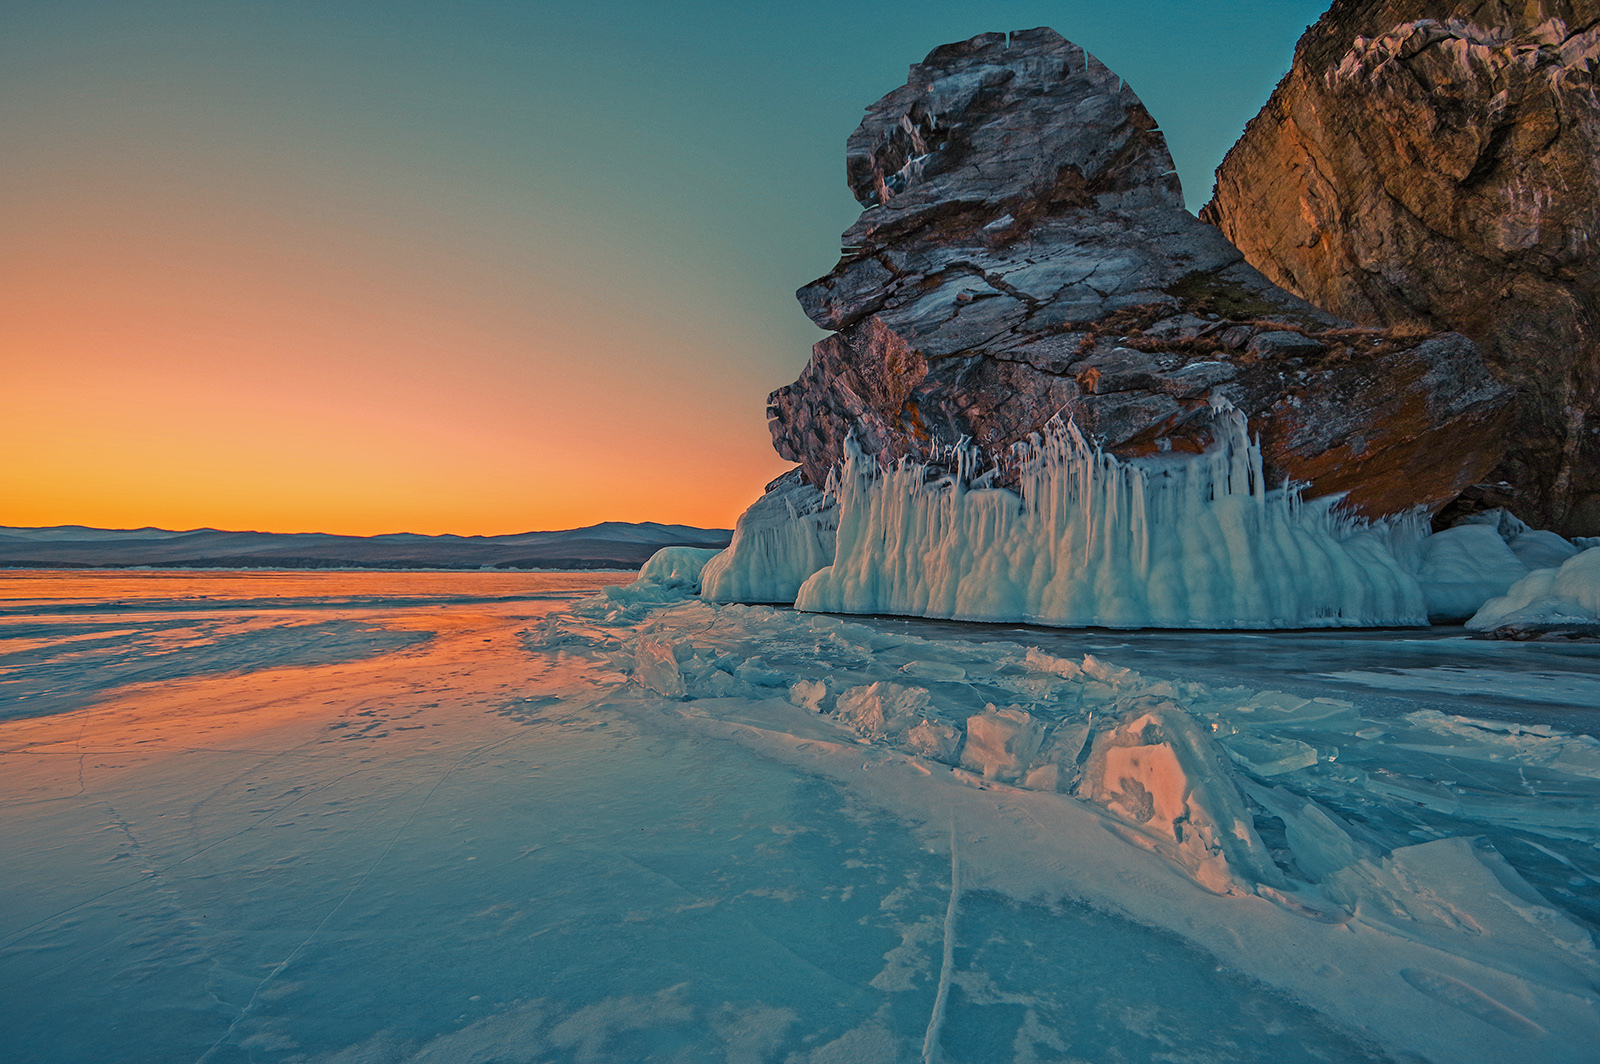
{"points": [[930, 1040]]}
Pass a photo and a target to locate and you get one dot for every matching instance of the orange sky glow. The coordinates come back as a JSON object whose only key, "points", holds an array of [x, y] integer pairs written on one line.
{"points": [[472, 268], [193, 363]]}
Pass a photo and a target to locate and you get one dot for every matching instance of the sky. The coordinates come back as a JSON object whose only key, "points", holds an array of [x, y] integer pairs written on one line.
{"points": [[467, 267]]}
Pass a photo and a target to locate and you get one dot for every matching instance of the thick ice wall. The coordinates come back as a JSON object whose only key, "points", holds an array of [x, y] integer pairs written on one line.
{"points": [[1465, 566], [1182, 542], [783, 538]]}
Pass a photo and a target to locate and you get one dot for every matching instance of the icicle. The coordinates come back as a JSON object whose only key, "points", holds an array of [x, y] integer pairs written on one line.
{"points": [[1176, 542]]}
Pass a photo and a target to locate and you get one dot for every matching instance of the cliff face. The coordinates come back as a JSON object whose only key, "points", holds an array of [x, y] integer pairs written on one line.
{"points": [[1436, 164], [1024, 253]]}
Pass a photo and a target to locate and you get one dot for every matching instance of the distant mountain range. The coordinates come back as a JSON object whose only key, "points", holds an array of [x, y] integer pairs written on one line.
{"points": [[611, 545]]}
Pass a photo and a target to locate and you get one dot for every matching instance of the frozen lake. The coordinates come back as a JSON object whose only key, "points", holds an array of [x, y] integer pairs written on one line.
{"points": [[374, 817]]}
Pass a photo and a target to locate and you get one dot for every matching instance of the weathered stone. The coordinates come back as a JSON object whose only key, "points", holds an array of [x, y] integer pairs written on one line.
{"points": [[1281, 344], [1432, 163], [1024, 253]]}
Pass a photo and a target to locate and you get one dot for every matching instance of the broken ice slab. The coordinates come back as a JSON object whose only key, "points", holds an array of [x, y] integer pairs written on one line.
{"points": [[1269, 757], [1001, 743], [1279, 710]]}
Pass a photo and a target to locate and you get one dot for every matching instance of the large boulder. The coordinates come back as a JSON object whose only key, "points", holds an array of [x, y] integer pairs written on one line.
{"points": [[1024, 253], [1431, 164]]}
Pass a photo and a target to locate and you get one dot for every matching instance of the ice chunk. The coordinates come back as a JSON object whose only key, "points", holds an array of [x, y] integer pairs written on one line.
{"points": [[810, 694], [935, 741], [1055, 768], [655, 666], [1180, 541], [754, 671], [946, 671], [1321, 842], [1570, 594], [1465, 566], [882, 709], [783, 538], [1269, 757], [1534, 746], [677, 567], [1157, 771], [1001, 743]]}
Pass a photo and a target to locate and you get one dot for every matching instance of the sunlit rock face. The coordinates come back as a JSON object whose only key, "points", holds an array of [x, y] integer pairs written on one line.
{"points": [[1024, 253], [1432, 163]]}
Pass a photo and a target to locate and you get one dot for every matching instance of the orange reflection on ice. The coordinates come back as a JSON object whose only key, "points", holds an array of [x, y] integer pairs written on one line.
{"points": [[465, 663]]}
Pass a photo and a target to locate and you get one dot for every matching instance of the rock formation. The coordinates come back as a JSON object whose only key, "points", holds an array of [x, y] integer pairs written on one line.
{"points": [[1024, 252], [1432, 164]]}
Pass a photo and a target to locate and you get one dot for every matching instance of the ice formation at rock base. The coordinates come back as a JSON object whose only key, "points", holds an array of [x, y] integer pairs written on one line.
{"points": [[1562, 599], [1171, 541], [787, 535], [1178, 541]]}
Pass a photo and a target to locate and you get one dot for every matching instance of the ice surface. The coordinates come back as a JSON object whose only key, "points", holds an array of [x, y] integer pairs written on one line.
{"points": [[641, 826], [1556, 688], [1569, 594], [1179, 542], [1382, 840]]}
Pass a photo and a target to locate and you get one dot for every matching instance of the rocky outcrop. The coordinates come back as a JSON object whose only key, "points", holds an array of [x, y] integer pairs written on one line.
{"points": [[1432, 164], [1024, 252]]}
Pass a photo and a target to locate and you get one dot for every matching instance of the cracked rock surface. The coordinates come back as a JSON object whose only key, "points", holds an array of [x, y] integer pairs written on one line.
{"points": [[1432, 163], [1024, 252]]}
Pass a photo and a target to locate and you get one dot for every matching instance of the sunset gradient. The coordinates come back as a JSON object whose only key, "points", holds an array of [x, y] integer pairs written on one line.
{"points": [[476, 268]]}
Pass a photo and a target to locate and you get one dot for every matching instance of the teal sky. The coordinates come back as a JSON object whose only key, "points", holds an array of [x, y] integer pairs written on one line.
{"points": [[663, 175]]}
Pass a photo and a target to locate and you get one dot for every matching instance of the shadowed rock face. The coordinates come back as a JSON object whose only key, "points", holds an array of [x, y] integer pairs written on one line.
{"points": [[1434, 163], [1024, 253]]}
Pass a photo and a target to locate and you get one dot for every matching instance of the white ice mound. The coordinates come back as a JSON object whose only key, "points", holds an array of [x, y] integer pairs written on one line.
{"points": [[783, 538], [678, 567], [1176, 542], [1465, 566], [1545, 597]]}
